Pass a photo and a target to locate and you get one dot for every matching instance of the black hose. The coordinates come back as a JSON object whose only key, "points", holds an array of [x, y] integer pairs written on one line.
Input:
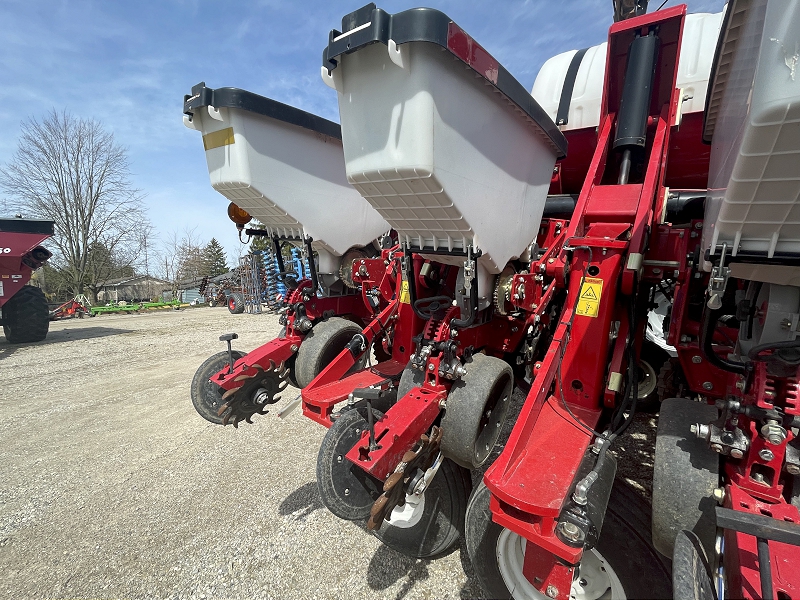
{"points": [[755, 351], [707, 350], [312, 267]]}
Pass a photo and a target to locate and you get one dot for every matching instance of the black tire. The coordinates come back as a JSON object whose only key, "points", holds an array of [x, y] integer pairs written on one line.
{"points": [[477, 407], [236, 303], [691, 574], [348, 491], [624, 544], [685, 473], [651, 362], [26, 316], [442, 520], [289, 362], [207, 396], [321, 345], [410, 379]]}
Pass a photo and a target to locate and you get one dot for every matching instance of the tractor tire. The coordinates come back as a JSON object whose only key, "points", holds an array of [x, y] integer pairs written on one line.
{"points": [[207, 396], [441, 522], [236, 303], [651, 363], [636, 569], [477, 407], [321, 345], [685, 473], [26, 316]]}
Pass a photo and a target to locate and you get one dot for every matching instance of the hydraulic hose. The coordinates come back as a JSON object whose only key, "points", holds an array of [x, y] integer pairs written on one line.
{"points": [[707, 349]]}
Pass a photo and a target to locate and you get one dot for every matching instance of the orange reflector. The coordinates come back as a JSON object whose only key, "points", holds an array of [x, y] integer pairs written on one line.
{"points": [[238, 215]]}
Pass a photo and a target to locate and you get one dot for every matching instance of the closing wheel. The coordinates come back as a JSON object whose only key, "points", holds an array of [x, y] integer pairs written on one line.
{"points": [[207, 396], [347, 490], [685, 474], [321, 345], [236, 303], [477, 406], [410, 379], [623, 565], [433, 525]]}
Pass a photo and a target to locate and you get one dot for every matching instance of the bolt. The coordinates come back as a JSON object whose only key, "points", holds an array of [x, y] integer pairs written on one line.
{"points": [[727, 437], [570, 531], [339, 458], [454, 333], [294, 348], [346, 491], [708, 386], [792, 469], [719, 495], [698, 225], [765, 454], [758, 477], [700, 430], [583, 582], [736, 453], [716, 448], [431, 367], [740, 384], [685, 339], [697, 359], [552, 591], [550, 261]]}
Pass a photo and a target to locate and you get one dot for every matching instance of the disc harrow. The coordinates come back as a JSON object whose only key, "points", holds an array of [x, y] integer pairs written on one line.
{"points": [[258, 389]]}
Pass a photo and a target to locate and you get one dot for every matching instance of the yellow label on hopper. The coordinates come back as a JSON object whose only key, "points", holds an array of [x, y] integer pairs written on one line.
{"points": [[589, 299], [215, 139]]}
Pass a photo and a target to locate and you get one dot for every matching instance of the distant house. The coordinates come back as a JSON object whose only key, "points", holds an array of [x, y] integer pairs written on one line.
{"points": [[139, 287], [189, 289]]}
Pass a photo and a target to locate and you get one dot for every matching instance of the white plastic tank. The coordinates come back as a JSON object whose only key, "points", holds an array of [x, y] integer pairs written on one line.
{"points": [[439, 138], [700, 33], [285, 167], [753, 205]]}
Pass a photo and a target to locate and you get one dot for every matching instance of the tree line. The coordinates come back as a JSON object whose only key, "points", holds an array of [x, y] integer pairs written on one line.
{"points": [[72, 171]]}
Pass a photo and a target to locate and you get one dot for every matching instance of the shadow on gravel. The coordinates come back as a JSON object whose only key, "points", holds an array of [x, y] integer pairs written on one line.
{"points": [[65, 335], [301, 502], [387, 567]]}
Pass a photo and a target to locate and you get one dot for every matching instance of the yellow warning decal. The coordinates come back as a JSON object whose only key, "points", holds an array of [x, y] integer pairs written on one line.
{"points": [[215, 139], [405, 298], [589, 299]]}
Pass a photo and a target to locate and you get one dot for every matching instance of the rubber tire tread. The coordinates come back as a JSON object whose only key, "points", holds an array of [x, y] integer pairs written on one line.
{"points": [[624, 542], [466, 403], [26, 316], [685, 473], [201, 385], [438, 531], [347, 420], [321, 345], [238, 303], [410, 379], [691, 575]]}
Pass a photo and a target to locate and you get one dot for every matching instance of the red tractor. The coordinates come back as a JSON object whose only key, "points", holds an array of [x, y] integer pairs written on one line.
{"points": [[534, 239], [26, 316]]}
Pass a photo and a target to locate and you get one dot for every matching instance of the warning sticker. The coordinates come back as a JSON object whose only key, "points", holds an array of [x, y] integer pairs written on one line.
{"points": [[405, 298], [589, 299]]}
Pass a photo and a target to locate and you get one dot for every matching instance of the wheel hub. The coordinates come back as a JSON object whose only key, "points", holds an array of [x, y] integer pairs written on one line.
{"points": [[595, 579]]}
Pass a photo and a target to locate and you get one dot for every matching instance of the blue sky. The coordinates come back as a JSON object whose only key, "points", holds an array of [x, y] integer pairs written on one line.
{"points": [[128, 65]]}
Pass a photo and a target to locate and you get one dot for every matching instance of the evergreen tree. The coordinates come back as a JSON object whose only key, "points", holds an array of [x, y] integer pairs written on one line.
{"points": [[214, 258]]}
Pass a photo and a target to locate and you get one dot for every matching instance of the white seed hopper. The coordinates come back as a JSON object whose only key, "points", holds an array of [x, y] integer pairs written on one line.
{"points": [[753, 122], [448, 147], [285, 167]]}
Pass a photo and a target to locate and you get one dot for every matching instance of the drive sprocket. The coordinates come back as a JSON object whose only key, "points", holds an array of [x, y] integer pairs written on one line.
{"points": [[421, 456], [346, 267], [259, 388], [502, 290]]}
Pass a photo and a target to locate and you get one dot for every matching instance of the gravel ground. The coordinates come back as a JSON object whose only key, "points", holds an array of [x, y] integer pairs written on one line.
{"points": [[111, 486]]}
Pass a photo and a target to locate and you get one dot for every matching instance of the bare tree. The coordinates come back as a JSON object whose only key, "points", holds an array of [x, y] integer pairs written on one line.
{"points": [[71, 171], [181, 258]]}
